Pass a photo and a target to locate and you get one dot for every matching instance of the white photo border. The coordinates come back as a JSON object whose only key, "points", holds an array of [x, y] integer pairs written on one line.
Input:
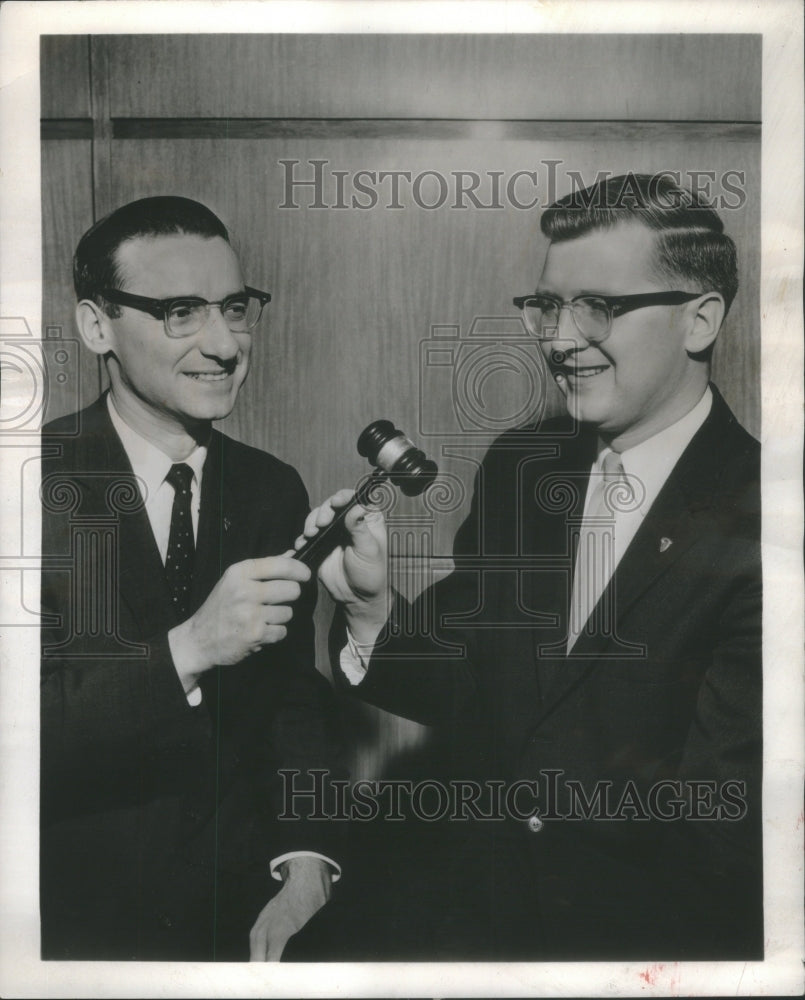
{"points": [[780, 22]]}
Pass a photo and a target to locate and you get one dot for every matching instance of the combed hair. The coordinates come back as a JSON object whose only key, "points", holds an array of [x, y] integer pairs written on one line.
{"points": [[691, 242], [95, 265]]}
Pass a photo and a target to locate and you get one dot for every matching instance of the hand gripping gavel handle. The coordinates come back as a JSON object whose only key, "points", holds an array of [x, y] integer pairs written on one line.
{"points": [[316, 548]]}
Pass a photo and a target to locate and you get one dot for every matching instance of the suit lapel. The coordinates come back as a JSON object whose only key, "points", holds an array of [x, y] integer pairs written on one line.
{"points": [[559, 492], [109, 488], [110, 495], [671, 526], [553, 495], [213, 524], [229, 528], [222, 538], [677, 518]]}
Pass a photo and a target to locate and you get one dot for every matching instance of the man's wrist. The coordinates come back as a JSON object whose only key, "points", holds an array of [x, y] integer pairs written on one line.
{"points": [[186, 659], [366, 619]]}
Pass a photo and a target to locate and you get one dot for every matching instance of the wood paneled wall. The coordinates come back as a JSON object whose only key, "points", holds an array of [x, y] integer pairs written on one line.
{"points": [[558, 77], [362, 295]]}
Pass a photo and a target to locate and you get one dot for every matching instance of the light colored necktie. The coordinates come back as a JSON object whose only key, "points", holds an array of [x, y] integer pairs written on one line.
{"points": [[595, 557]]}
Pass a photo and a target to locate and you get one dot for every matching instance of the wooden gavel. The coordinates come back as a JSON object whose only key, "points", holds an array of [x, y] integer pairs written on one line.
{"points": [[396, 460]]}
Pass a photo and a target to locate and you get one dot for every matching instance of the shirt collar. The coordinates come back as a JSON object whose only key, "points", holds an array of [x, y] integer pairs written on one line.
{"points": [[652, 460], [148, 462]]}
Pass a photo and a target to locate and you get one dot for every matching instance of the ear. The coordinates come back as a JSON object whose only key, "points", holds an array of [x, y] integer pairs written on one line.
{"points": [[94, 327], [706, 322]]}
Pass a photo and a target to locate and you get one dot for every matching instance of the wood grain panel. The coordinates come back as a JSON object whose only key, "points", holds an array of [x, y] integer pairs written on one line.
{"points": [[420, 128], [100, 71], [66, 214], [361, 295], [692, 77], [64, 75], [366, 286]]}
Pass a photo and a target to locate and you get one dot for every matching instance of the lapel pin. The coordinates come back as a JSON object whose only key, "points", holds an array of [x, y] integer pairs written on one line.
{"points": [[665, 544], [227, 524]]}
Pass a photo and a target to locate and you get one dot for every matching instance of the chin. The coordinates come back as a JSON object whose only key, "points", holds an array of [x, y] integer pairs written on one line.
{"points": [[215, 408], [204, 414], [217, 412], [586, 413]]}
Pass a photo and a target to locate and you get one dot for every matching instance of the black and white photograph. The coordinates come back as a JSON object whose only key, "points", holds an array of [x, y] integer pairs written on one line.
{"points": [[402, 456]]}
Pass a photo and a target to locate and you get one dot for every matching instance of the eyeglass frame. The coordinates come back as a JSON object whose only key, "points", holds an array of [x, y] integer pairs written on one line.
{"points": [[616, 305], [160, 308]]}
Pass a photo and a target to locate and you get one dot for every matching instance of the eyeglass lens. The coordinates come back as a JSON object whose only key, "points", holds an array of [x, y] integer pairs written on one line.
{"points": [[240, 313], [591, 316]]}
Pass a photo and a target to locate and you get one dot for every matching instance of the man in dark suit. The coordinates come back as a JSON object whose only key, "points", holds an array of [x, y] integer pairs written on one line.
{"points": [[599, 641], [177, 662]]}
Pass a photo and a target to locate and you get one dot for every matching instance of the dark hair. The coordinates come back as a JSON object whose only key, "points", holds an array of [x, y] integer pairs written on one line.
{"points": [[691, 242], [95, 264]]}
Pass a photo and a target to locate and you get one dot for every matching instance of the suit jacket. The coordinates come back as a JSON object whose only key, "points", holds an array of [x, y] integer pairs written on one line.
{"points": [[667, 690], [158, 819]]}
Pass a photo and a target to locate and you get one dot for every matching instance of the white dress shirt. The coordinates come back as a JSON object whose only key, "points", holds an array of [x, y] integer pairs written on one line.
{"points": [[649, 463], [151, 465], [646, 467]]}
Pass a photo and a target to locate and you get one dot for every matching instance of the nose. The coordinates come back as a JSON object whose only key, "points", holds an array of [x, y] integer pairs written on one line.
{"points": [[567, 329], [216, 339], [569, 339]]}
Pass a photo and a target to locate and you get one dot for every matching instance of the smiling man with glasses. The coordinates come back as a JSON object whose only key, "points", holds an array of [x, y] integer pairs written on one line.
{"points": [[628, 346], [178, 669], [600, 637]]}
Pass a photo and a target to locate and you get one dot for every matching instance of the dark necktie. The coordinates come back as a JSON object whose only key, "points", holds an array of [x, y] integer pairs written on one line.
{"points": [[181, 546]]}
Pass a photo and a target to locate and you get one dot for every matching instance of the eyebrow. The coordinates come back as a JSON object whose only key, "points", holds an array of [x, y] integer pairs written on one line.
{"points": [[555, 295], [196, 295]]}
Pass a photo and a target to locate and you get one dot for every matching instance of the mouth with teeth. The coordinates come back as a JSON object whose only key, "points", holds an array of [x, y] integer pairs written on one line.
{"points": [[582, 371], [216, 376]]}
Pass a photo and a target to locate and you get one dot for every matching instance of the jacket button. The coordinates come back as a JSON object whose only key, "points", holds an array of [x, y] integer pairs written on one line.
{"points": [[535, 824]]}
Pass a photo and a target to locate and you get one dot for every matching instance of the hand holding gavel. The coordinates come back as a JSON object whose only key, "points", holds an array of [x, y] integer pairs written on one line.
{"points": [[396, 459], [355, 572]]}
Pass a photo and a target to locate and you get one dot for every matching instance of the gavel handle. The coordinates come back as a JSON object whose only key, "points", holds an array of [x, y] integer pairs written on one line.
{"points": [[316, 548]]}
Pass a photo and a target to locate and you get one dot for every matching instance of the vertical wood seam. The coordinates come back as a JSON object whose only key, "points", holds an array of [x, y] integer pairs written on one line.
{"points": [[101, 145]]}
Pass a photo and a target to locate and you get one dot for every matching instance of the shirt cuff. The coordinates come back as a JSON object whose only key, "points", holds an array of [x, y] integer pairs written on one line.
{"points": [[274, 864], [194, 697], [353, 660]]}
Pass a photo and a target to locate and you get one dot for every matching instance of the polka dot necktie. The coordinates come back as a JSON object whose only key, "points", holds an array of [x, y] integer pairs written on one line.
{"points": [[181, 545]]}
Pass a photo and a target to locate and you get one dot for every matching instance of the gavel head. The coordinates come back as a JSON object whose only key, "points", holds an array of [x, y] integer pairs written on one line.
{"points": [[390, 450]]}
